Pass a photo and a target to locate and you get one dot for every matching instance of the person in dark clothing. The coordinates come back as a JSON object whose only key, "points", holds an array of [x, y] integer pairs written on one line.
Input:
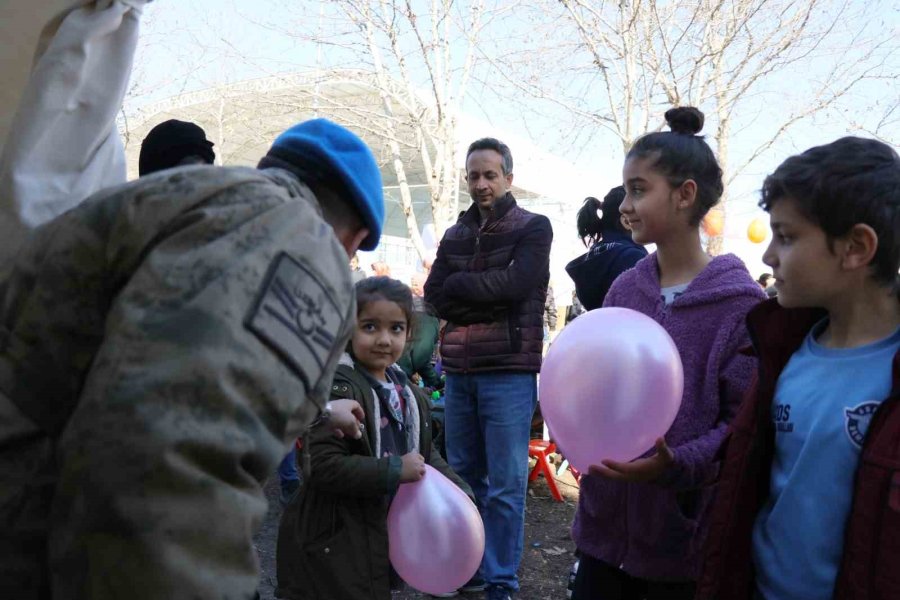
{"points": [[417, 360], [333, 538], [808, 497], [172, 144], [489, 282], [611, 250]]}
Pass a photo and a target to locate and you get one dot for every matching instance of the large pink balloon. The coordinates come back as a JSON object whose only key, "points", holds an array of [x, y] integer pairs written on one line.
{"points": [[435, 534], [610, 385]]}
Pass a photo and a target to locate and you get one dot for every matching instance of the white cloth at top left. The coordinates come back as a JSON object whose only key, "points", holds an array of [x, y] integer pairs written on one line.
{"points": [[63, 145]]}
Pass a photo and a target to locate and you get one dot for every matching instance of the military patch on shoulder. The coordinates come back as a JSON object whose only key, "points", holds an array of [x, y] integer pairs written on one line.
{"points": [[296, 316]]}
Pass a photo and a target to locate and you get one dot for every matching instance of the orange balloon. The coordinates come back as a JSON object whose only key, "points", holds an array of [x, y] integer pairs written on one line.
{"points": [[757, 231], [714, 223]]}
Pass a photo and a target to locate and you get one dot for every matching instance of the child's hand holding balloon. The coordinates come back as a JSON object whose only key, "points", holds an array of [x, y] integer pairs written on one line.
{"points": [[611, 386], [638, 470], [413, 468], [435, 534]]}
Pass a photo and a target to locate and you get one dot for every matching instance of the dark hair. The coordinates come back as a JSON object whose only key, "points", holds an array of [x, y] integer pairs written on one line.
{"points": [[498, 147], [764, 279], [847, 182], [681, 154], [372, 289], [590, 226], [169, 143]]}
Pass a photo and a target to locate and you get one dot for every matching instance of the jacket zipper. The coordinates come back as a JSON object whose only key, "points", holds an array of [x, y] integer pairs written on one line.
{"points": [[466, 353], [474, 257], [662, 315]]}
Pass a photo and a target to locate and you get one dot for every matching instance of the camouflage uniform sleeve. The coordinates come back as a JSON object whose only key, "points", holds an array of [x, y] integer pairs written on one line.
{"points": [[26, 488], [218, 350]]}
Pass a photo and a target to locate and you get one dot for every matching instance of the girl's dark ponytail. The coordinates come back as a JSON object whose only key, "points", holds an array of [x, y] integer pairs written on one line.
{"points": [[591, 225], [588, 221]]}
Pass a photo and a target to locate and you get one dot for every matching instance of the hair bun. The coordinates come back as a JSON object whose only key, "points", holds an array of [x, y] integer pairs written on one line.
{"points": [[685, 119]]}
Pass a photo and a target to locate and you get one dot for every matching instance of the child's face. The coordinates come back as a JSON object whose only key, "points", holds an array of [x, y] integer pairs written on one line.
{"points": [[650, 206], [380, 335], [806, 272]]}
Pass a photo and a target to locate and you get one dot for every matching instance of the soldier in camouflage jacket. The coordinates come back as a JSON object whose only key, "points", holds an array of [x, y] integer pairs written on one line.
{"points": [[160, 347]]}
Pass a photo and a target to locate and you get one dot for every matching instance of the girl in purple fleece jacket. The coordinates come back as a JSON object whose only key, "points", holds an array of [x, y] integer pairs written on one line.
{"points": [[640, 525]]}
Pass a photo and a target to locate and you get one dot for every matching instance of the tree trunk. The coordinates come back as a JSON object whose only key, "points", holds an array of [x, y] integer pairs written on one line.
{"points": [[445, 194], [716, 243], [412, 224], [406, 204]]}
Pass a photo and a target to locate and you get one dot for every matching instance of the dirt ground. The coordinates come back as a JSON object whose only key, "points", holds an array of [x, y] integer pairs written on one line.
{"points": [[546, 560]]}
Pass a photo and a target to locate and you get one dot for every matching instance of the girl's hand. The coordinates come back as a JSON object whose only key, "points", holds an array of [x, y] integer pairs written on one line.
{"points": [[639, 470], [413, 468], [346, 418]]}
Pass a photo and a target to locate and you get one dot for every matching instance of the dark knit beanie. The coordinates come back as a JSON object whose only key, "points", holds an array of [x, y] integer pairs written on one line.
{"points": [[171, 142], [321, 152]]}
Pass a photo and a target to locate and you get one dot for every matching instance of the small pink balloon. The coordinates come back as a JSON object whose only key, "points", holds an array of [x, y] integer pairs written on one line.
{"points": [[435, 534], [610, 385]]}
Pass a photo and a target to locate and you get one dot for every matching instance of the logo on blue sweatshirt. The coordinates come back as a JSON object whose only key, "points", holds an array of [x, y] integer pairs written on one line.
{"points": [[782, 417], [857, 421]]}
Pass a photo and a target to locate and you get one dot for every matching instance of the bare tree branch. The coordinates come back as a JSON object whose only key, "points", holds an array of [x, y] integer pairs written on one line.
{"points": [[718, 55]]}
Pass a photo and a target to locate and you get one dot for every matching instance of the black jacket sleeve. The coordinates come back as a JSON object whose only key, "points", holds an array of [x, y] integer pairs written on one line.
{"points": [[453, 310], [531, 259], [626, 260]]}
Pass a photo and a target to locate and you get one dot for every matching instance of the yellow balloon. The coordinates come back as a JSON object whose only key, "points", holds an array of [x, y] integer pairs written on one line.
{"points": [[757, 231]]}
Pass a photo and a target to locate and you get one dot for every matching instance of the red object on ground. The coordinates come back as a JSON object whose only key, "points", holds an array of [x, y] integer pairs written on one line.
{"points": [[541, 450], [575, 473]]}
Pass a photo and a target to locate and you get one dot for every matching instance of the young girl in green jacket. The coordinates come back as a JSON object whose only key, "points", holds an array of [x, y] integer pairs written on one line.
{"points": [[332, 542]]}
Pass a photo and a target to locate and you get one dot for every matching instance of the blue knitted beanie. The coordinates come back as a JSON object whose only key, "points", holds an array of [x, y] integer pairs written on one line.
{"points": [[326, 153]]}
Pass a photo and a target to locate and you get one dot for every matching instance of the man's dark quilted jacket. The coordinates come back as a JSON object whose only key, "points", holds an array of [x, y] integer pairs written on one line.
{"points": [[489, 282]]}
